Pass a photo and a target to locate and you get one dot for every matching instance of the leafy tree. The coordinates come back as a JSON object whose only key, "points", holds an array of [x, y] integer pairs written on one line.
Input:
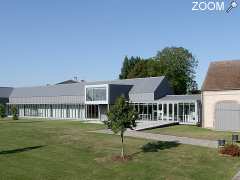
{"points": [[139, 70], [127, 66], [2, 111], [14, 112], [120, 117], [178, 65]]}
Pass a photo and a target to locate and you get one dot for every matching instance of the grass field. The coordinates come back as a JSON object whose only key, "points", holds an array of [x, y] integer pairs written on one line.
{"points": [[36, 149], [193, 131]]}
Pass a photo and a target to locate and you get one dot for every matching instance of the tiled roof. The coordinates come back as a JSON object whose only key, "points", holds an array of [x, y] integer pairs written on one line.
{"points": [[222, 75]]}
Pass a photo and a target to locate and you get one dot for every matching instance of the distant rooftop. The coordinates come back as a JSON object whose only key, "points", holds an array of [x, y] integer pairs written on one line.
{"points": [[68, 82]]}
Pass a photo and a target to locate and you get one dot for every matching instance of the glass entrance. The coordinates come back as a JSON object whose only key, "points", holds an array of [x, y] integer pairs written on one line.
{"points": [[92, 111], [184, 112]]}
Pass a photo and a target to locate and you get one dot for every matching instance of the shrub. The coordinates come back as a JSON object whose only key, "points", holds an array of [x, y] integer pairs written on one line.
{"points": [[14, 113], [2, 111], [231, 149]]}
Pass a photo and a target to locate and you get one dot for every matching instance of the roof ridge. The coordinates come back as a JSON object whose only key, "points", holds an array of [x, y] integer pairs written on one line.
{"points": [[143, 78], [223, 61]]}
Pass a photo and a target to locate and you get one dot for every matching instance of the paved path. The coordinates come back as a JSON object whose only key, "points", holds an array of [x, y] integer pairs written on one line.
{"points": [[160, 137], [237, 176]]}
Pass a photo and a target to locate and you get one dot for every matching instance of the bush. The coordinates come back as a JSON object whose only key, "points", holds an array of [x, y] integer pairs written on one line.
{"points": [[14, 113], [2, 111], [231, 149]]}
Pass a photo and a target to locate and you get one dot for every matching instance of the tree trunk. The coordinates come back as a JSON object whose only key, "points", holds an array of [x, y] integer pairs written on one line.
{"points": [[122, 153]]}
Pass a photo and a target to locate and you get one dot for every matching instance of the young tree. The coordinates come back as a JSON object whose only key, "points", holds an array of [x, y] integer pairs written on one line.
{"points": [[14, 113], [120, 117], [2, 111]]}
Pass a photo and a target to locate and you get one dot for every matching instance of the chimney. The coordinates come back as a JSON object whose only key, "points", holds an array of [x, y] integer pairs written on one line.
{"points": [[75, 78]]}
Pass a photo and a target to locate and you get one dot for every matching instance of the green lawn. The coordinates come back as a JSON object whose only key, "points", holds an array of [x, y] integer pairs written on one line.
{"points": [[193, 131], [36, 149]]}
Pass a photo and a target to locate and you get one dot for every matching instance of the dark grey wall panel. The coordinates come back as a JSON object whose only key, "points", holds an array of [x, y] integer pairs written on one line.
{"points": [[4, 100], [5, 92], [163, 89], [116, 90]]}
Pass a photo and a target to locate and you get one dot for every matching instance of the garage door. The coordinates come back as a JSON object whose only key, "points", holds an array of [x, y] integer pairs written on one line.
{"points": [[227, 116]]}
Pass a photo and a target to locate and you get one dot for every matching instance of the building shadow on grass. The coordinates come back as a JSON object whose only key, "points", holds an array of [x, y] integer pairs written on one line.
{"points": [[159, 145], [13, 151]]}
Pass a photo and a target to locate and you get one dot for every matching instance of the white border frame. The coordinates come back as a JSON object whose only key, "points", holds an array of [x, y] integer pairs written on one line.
{"points": [[97, 102]]}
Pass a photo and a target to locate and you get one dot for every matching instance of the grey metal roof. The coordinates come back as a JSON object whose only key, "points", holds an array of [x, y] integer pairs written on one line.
{"points": [[140, 85], [5, 92], [181, 98], [76, 89]]}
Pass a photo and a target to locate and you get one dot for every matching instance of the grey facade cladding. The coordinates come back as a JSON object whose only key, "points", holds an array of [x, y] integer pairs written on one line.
{"points": [[196, 97], [160, 90], [48, 100], [138, 90], [76, 89], [55, 94]]}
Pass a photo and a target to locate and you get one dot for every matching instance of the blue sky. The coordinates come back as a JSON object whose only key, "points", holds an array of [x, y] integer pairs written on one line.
{"points": [[49, 41]]}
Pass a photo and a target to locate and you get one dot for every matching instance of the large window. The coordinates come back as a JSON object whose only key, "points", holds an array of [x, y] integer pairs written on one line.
{"points": [[96, 94]]}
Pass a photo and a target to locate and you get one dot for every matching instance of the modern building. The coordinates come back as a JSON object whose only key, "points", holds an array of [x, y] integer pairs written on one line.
{"points": [[221, 96], [217, 108], [152, 97]]}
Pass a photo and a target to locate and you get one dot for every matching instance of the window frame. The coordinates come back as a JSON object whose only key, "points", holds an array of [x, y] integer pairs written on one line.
{"points": [[106, 101]]}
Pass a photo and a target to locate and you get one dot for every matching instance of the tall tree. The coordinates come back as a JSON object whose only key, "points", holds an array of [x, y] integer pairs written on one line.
{"points": [[178, 65], [120, 117], [139, 70], [128, 65]]}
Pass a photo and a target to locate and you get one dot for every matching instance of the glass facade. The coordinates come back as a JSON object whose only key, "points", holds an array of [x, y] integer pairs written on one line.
{"points": [[59, 111], [96, 94], [183, 112], [92, 111], [146, 111]]}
